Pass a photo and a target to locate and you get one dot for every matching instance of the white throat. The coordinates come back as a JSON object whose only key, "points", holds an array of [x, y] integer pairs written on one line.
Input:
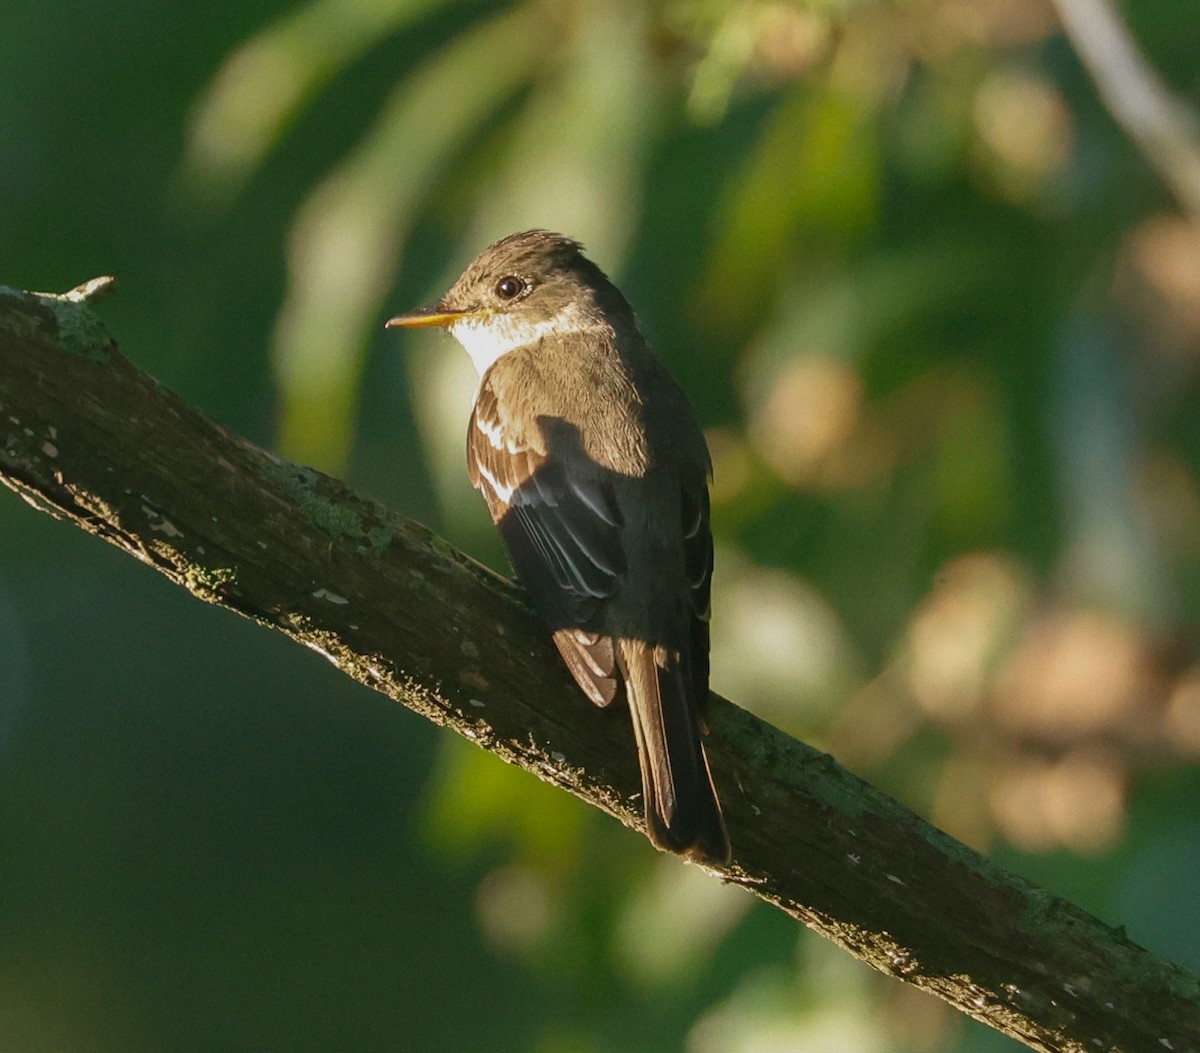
{"points": [[490, 337]]}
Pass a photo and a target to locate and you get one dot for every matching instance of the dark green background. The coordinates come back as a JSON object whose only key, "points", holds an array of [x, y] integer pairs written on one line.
{"points": [[210, 840]]}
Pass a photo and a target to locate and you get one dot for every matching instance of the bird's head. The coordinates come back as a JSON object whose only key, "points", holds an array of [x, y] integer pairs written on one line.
{"points": [[528, 286]]}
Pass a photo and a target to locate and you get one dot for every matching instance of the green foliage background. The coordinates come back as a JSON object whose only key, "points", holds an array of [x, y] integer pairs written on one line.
{"points": [[943, 326]]}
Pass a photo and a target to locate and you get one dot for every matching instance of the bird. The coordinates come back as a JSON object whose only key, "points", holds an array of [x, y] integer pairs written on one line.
{"points": [[596, 474]]}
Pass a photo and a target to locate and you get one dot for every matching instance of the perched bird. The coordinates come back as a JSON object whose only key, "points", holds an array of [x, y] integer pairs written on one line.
{"points": [[596, 474]]}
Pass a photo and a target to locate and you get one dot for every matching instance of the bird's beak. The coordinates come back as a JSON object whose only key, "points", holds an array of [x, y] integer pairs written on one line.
{"points": [[437, 314]]}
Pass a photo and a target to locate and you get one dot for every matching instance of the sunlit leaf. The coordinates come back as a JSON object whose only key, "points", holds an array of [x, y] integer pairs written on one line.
{"points": [[815, 168], [266, 81], [350, 233]]}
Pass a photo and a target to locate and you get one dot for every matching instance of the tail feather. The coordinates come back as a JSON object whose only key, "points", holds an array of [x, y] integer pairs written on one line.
{"points": [[682, 811], [590, 658]]}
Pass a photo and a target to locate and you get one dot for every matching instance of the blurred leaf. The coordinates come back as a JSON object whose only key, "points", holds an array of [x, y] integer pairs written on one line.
{"points": [[351, 231], [1112, 559], [477, 799], [816, 169], [262, 85]]}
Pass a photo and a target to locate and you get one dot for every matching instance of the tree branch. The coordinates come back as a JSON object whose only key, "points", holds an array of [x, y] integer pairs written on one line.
{"points": [[1161, 126], [89, 438]]}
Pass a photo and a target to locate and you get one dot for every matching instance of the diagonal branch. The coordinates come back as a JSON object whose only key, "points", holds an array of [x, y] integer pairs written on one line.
{"points": [[87, 437], [1161, 126]]}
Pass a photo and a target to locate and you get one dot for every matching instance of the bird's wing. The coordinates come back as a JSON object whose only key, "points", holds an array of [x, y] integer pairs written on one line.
{"points": [[561, 525], [698, 566]]}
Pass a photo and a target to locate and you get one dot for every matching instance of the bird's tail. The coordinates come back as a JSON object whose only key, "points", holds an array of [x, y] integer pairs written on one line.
{"points": [[682, 811]]}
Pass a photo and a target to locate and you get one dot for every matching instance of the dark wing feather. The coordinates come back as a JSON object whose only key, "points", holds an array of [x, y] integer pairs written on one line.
{"points": [[562, 531], [698, 566]]}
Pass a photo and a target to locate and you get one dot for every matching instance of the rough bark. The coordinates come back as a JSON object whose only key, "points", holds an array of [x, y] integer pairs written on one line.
{"points": [[89, 438]]}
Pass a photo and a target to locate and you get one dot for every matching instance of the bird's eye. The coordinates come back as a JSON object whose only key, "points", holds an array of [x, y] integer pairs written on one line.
{"points": [[510, 287]]}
